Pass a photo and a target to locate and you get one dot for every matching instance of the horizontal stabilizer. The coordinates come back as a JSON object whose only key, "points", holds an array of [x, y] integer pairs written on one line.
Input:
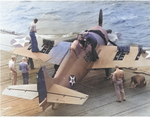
{"points": [[22, 91], [60, 94]]}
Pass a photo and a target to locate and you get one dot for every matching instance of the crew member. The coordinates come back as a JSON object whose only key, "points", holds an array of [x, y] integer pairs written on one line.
{"points": [[13, 70], [31, 63], [139, 80], [81, 38], [34, 44], [107, 72], [90, 39], [118, 78], [23, 66]]}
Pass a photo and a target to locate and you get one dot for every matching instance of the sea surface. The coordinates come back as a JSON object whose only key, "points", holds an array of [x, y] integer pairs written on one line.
{"points": [[65, 19]]}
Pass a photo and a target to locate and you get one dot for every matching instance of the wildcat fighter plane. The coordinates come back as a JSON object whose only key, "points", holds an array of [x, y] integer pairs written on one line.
{"points": [[74, 63]]}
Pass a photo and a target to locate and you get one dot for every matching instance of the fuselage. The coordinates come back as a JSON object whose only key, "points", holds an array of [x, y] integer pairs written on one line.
{"points": [[76, 63]]}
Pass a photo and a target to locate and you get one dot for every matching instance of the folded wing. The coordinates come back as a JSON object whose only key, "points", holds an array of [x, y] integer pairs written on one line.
{"points": [[36, 55], [58, 52]]}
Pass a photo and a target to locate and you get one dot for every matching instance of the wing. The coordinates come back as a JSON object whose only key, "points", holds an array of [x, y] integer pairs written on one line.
{"points": [[54, 51], [54, 55], [22, 91], [109, 56], [58, 52], [36, 55]]}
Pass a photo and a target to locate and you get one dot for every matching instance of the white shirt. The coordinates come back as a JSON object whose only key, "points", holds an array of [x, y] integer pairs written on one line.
{"points": [[32, 27], [12, 65]]}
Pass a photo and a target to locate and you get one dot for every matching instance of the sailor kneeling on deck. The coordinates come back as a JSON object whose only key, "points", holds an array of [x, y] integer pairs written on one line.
{"points": [[139, 81]]}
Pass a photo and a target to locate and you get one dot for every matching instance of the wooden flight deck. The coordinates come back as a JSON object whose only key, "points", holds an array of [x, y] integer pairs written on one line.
{"points": [[12, 106]]}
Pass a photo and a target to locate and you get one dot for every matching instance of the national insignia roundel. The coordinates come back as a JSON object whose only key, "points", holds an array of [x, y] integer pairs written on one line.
{"points": [[72, 80]]}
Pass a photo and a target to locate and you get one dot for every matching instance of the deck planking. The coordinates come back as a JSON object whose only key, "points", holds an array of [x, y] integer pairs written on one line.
{"points": [[101, 101]]}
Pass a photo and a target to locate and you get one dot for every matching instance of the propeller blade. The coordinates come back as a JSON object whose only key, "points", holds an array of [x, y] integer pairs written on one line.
{"points": [[100, 17]]}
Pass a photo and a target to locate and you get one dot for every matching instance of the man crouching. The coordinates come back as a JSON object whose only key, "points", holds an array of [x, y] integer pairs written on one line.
{"points": [[139, 81]]}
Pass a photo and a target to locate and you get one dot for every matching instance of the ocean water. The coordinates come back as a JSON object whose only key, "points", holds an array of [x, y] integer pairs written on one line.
{"points": [[65, 19]]}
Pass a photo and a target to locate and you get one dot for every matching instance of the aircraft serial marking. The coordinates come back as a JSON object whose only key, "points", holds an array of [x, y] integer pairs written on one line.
{"points": [[87, 56]]}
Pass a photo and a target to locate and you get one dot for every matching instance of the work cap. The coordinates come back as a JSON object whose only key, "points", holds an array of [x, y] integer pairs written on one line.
{"points": [[82, 35]]}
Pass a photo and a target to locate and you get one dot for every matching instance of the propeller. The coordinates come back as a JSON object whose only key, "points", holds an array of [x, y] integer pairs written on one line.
{"points": [[100, 17]]}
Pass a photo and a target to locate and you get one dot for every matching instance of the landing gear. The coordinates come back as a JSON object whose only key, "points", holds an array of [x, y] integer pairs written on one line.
{"points": [[108, 73], [56, 68], [30, 63], [53, 105]]}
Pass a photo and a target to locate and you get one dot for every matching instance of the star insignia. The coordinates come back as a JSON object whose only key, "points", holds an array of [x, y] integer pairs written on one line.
{"points": [[72, 80], [148, 56], [21, 41]]}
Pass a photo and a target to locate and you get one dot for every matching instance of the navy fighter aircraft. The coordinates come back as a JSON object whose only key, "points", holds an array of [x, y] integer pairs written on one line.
{"points": [[74, 60]]}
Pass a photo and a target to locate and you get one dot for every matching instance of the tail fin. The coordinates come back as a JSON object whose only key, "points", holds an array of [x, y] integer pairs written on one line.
{"points": [[50, 93], [44, 82], [49, 81]]}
